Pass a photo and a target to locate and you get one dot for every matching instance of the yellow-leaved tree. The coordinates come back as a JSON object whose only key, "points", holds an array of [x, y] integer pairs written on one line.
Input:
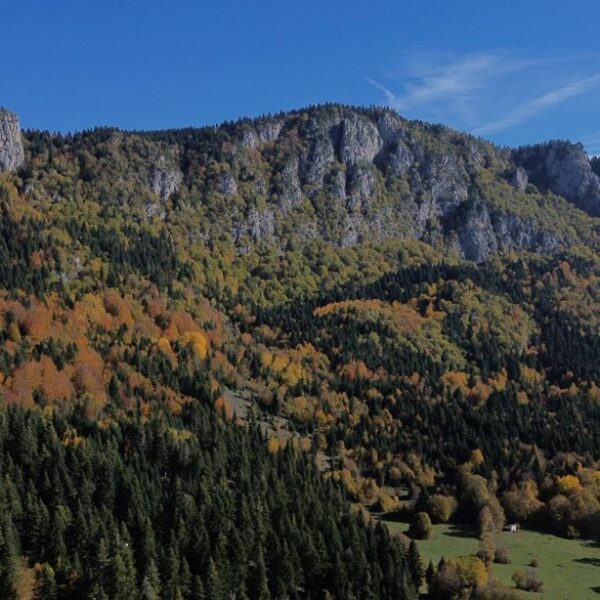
{"points": [[198, 342]]}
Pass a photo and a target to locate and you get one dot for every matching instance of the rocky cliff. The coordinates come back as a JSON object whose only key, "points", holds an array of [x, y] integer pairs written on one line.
{"points": [[342, 175], [564, 169], [371, 175], [11, 147]]}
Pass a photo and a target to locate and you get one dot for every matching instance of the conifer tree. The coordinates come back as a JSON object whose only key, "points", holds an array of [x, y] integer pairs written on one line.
{"points": [[7, 563], [415, 565]]}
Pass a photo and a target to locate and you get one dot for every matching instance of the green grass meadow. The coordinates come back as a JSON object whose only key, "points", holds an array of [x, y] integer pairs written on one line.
{"points": [[570, 569]]}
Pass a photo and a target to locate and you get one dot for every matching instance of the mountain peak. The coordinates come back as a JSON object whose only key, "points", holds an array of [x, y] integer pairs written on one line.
{"points": [[565, 169]]}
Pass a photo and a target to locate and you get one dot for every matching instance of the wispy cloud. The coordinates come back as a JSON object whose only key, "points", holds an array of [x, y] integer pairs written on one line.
{"points": [[537, 105], [485, 93], [391, 98], [427, 79]]}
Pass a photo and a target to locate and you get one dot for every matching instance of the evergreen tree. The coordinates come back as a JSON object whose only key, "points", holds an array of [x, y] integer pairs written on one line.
{"points": [[258, 586], [7, 563], [415, 565]]}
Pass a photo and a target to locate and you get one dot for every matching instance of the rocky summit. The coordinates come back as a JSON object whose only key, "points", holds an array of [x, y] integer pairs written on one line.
{"points": [[11, 147], [565, 169]]}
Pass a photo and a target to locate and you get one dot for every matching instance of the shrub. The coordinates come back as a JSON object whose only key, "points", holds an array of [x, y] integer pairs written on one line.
{"points": [[527, 581], [496, 591], [503, 555], [441, 508], [460, 577], [471, 571], [487, 549], [420, 526]]}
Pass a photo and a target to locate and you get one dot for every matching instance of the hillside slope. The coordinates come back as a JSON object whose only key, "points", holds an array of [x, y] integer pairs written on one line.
{"points": [[414, 307]]}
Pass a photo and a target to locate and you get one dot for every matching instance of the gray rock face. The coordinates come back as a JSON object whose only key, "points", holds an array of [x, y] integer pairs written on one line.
{"points": [[338, 159], [268, 131], [354, 140], [476, 233], [226, 184], [166, 179], [11, 145], [564, 169], [360, 141], [288, 186], [315, 165], [261, 224], [523, 234], [362, 186], [482, 232], [251, 136], [258, 225], [519, 179], [400, 160], [391, 128], [447, 182], [350, 176], [336, 184], [351, 235]]}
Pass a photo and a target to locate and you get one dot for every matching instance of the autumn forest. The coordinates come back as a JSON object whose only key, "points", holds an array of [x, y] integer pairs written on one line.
{"points": [[227, 353]]}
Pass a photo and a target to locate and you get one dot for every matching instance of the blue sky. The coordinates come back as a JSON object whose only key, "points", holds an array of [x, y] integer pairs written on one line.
{"points": [[513, 72]]}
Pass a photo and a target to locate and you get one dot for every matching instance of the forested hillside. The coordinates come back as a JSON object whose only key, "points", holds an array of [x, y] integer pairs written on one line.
{"points": [[180, 507], [219, 346]]}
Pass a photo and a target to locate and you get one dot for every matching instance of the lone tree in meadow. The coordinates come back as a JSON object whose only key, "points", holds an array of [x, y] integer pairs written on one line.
{"points": [[420, 526]]}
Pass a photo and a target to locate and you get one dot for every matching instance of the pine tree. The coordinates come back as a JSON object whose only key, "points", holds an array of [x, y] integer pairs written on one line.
{"points": [[430, 573], [148, 592], [122, 585], [258, 586], [214, 585], [198, 591], [8, 573], [170, 571], [415, 565], [151, 582]]}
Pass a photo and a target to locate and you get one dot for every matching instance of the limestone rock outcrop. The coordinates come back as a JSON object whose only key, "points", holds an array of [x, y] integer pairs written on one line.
{"points": [[564, 169], [12, 155]]}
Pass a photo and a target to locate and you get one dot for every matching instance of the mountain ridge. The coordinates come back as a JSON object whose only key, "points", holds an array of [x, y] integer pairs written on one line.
{"points": [[351, 175]]}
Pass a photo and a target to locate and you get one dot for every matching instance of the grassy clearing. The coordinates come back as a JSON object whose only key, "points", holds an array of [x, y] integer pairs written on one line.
{"points": [[570, 569], [26, 580]]}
